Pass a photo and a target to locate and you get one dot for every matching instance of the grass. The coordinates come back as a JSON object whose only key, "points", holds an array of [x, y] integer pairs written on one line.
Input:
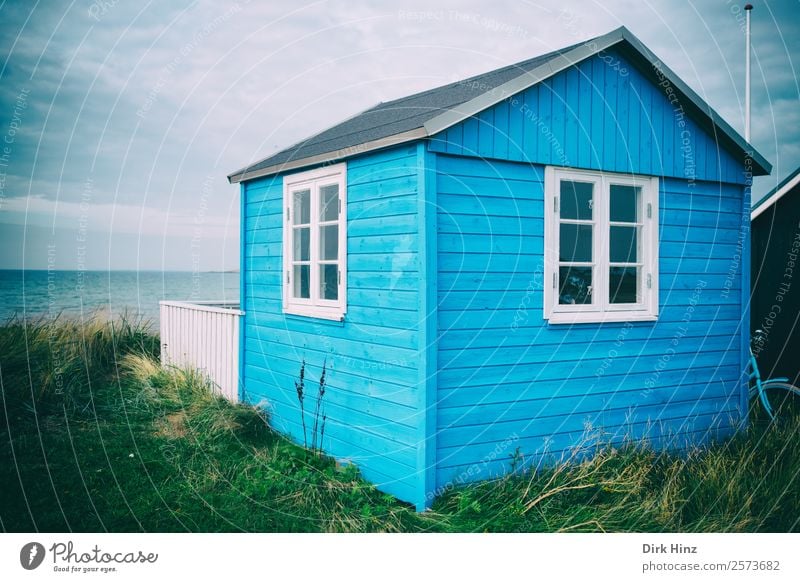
{"points": [[96, 436]]}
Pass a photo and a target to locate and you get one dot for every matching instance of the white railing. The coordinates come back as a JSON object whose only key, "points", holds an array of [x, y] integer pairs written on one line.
{"points": [[203, 335]]}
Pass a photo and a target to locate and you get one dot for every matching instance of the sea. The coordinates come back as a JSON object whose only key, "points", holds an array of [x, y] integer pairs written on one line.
{"points": [[32, 294]]}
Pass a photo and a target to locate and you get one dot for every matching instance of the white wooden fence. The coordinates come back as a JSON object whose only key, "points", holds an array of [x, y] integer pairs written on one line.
{"points": [[203, 335]]}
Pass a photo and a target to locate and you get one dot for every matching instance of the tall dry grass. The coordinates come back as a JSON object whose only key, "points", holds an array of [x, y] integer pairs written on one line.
{"points": [[98, 436]]}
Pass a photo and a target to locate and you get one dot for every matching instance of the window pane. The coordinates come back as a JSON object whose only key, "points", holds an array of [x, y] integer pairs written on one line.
{"points": [[301, 206], [329, 243], [576, 200], [302, 244], [302, 282], [575, 285], [623, 244], [329, 282], [623, 285], [624, 203], [575, 243], [329, 203]]}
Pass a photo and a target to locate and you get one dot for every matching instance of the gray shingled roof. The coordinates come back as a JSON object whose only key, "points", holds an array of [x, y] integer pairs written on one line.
{"points": [[400, 115], [426, 113]]}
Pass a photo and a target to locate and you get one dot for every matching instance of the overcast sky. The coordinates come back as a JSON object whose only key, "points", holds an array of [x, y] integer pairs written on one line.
{"points": [[121, 119]]}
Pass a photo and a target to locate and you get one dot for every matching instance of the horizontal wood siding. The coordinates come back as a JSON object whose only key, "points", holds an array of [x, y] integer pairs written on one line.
{"points": [[372, 400], [507, 380], [601, 114]]}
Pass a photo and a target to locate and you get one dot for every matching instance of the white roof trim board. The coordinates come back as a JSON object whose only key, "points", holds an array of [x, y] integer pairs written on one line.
{"points": [[524, 81], [551, 66], [244, 174], [771, 198]]}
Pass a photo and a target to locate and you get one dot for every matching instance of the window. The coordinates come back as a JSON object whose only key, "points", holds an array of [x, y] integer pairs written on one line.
{"points": [[315, 243], [601, 247]]}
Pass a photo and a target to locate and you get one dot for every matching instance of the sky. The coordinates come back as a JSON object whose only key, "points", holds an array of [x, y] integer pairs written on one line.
{"points": [[120, 120]]}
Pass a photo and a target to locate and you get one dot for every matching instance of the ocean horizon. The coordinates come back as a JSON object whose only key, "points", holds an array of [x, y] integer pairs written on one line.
{"points": [[36, 293]]}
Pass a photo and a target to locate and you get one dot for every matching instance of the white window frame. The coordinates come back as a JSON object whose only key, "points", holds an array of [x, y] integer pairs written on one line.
{"points": [[601, 309], [315, 306]]}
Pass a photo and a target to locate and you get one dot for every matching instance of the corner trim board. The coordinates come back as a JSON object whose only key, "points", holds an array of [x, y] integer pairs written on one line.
{"points": [[428, 366]]}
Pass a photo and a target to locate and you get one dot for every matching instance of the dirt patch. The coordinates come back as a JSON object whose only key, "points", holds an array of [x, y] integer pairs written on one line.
{"points": [[172, 426]]}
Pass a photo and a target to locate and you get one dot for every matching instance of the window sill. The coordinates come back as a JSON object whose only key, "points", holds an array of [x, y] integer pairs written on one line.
{"points": [[607, 317], [311, 313]]}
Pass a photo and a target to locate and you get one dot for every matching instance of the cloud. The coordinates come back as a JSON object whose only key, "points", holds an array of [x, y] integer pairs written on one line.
{"points": [[152, 102], [117, 218]]}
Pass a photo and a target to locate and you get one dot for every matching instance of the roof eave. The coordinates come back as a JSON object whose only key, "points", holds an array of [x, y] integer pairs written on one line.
{"points": [[788, 184], [524, 81], [329, 157]]}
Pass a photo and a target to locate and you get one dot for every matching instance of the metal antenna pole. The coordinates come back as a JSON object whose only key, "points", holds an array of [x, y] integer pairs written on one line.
{"points": [[747, 9]]}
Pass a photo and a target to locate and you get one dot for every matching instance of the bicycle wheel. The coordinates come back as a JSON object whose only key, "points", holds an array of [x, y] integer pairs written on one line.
{"points": [[783, 398]]}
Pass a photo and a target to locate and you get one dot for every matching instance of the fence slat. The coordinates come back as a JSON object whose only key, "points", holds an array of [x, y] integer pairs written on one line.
{"points": [[203, 336]]}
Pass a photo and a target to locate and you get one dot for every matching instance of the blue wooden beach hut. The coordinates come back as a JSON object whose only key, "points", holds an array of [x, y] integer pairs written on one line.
{"points": [[494, 269]]}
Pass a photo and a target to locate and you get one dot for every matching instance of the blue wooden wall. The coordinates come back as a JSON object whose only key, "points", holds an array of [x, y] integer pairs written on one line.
{"points": [[372, 400], [508, 379], [603, 114]]}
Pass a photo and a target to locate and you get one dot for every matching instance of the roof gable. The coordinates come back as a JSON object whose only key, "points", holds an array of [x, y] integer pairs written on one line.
{"points": [[789, 184], [430, 112], [606, 114]]}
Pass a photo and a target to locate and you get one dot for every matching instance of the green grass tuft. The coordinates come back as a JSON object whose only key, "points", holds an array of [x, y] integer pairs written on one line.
{"points": [[97, 436]]}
